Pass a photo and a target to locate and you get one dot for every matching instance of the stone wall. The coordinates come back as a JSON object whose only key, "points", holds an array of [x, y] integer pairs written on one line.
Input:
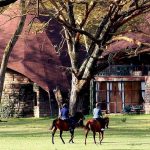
{"points": [[17, 97], [23, 98]]}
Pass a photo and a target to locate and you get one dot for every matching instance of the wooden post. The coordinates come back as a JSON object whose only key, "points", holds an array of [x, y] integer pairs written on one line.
{"points": [[91, 95], [147, 95], [50, 105], [37, 107]]}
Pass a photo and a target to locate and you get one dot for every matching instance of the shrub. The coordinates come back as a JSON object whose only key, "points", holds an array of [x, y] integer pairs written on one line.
{"points": [[127, 109]]}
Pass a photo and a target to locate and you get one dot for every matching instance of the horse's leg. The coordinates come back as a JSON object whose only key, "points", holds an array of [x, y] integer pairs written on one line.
{"points": [[106, 124], [94, 133], [99, 137], [53, 133], [102, 132], [72, 136], [86, 134], [61, 136]]}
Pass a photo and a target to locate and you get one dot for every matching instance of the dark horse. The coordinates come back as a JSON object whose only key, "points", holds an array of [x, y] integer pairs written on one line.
{"points": [[63, 125], [96, 126]]}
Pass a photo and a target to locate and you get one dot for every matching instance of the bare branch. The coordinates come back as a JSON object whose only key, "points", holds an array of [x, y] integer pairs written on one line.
{"points": [[131, 40], [69, 27], [62, 4], [131, 13], [58, 10], [71, 14]]}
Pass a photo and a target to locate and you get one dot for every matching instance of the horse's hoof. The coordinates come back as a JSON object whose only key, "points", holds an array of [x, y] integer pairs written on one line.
{"points": [[71, 142]]}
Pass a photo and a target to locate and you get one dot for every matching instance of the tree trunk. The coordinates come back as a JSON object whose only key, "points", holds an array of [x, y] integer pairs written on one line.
{"points": [[59, 99], [10, 46], [74, 95]]}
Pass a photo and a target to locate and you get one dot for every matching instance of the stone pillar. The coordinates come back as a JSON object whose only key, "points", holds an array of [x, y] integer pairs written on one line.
{"points": [[37, 107], [147, 95]]}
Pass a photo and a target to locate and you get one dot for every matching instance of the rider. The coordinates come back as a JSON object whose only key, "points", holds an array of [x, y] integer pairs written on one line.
{"points": [[64, 115], [97, 115], [64, 112]]}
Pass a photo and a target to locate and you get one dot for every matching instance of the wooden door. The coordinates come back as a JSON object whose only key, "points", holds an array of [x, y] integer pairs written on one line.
{"points": [[115, 99]]}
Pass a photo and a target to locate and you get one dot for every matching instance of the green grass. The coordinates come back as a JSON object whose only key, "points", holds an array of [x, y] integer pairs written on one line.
{"points": [[125, 132]]}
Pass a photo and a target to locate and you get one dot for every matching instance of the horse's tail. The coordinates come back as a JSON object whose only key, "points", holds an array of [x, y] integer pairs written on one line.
{"points": [[53, 124], [87, 126]]}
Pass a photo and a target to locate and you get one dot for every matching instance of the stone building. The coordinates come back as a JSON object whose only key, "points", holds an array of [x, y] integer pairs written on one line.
{"points": [[35, 67], [23, 98]]}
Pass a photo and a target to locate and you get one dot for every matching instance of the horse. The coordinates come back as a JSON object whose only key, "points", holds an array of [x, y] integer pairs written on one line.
{"points": [[96, 126], [63, 125]]}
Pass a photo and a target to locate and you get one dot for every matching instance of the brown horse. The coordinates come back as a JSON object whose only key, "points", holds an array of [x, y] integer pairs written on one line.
{"points": [[96, 126], [63, 125]]}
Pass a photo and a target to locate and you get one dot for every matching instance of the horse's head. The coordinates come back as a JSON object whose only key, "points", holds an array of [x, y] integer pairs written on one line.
{"points": [[79, 115], [79, 118]]}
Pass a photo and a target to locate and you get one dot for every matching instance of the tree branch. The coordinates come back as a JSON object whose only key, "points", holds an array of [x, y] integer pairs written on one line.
{"points": [[126, 16], [71, 14], [131, 40], [70, 28]]}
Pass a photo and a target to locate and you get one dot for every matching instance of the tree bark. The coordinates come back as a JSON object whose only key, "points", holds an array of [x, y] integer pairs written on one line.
{"points": [[74, 95], [10, 46], [58, 98]]}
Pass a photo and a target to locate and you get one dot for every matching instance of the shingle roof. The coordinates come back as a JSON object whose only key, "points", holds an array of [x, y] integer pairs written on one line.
{"points": [[142, 35], [34, 54]]}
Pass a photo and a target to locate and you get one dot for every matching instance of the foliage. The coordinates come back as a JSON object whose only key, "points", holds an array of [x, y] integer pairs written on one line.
{"points": [[127, 109], [5, 111], [10, 108], [124, 119], [135, 109]]}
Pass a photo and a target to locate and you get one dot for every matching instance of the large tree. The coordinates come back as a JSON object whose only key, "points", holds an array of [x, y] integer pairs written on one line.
{"points": [[92, 23]]}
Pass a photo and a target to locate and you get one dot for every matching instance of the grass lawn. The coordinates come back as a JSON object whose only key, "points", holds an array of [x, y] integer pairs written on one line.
{"points": [[125, 132]]}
